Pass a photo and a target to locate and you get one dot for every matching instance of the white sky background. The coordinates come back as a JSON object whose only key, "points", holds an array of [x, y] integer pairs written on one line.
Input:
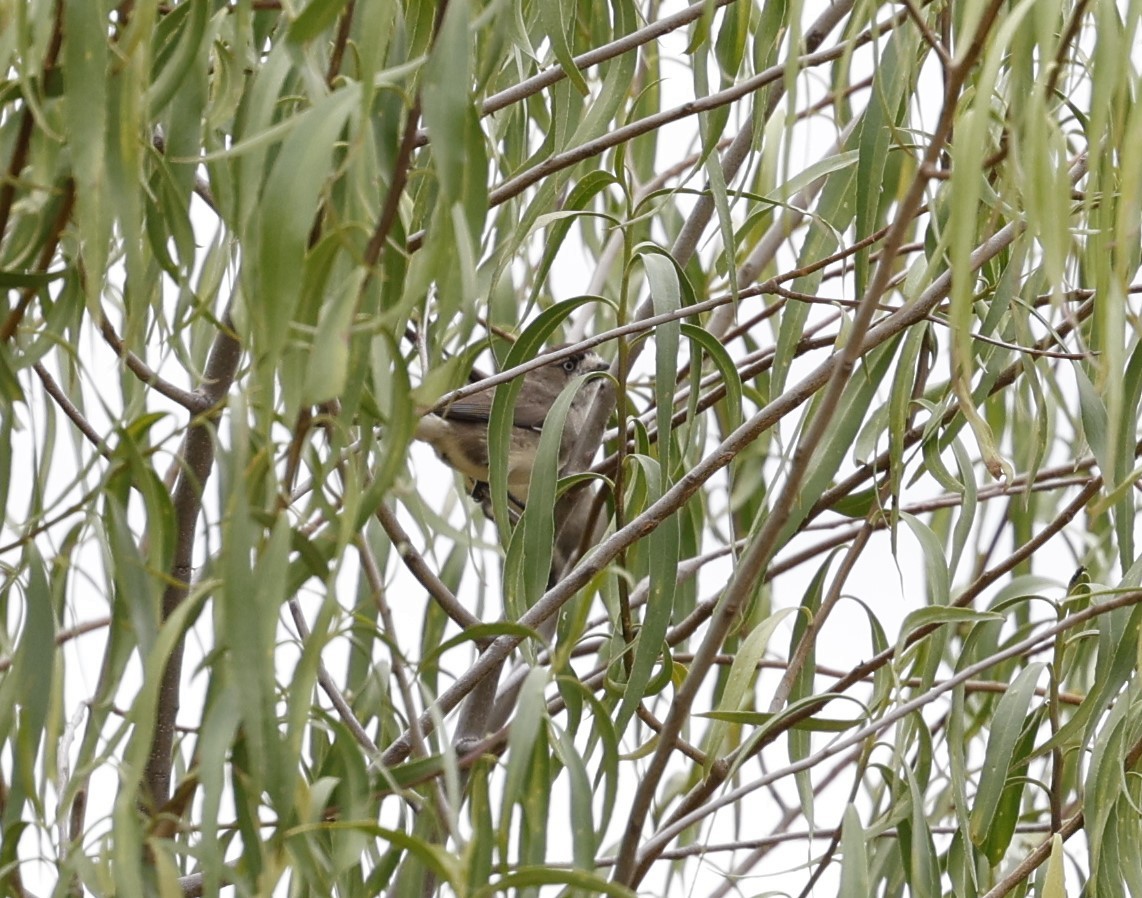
{"points": [[880, 576]]}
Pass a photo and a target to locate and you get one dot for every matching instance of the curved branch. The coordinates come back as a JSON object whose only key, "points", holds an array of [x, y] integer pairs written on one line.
{"points": [[193, 401], [424, 574], [72, 411]]}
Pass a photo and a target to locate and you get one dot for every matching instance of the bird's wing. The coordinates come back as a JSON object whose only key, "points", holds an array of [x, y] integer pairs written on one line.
{"points": [[477, 409], [530, 415]]}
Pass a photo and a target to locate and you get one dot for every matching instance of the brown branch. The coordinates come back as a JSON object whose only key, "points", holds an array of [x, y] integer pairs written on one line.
{"points": [[808, 640], [425, 575], [51, 242], [64, 636], [70, 409], [27, 123], [753, 561], [396, 188], [19, 159], [331, 689], [192, 401], [344, 26], [196, 458], [400, 170]]}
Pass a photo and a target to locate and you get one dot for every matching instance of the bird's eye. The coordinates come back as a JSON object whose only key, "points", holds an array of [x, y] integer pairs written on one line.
{"points": [[570, 365]]}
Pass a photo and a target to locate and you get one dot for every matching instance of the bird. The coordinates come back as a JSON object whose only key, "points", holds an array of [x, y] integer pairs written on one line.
{"points": [[459, 431]]}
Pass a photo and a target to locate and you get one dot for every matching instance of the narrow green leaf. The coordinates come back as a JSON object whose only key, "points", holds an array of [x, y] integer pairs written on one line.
{"points": [[731, 378], [28, 690], [1095, 421], [1054, 883], [552, 13], [86, 60], [662, 550], [936, 615], [317, 16], [923, 864], [854, 857], [584, 841], [189, 22], [19, 280], [937, 575], [762, 718], [288, 205], [527, 727], [666, 296], [742, 676], [1008, 720]]}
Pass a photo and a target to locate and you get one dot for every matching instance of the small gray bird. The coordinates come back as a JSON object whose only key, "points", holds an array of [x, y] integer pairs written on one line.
{"points": [[459, 433]]}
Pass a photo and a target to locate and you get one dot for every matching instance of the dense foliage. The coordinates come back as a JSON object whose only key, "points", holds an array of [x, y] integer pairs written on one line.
{"points": [[848, 598]]}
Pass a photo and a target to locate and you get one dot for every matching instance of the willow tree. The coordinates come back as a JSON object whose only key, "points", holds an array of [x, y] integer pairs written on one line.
{"points": [[838, 588]]}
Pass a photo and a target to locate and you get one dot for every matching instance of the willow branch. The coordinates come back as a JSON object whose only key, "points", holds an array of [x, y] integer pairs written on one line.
{"points": [[193, 401], [659, 841], [196, 456]]}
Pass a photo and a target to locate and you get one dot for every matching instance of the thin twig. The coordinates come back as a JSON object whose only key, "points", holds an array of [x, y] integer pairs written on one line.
{"points": [[331, 689], [47, 253], [929, 36], [344, 27], [808, 641], [23, 140], [660, 839], [72, 411], [193, 401], [64, 636], [425, 575]]}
